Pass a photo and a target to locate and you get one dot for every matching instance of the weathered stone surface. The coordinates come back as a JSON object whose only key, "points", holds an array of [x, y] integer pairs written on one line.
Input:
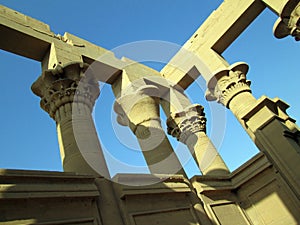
{"points": [[137, 106], [205, 46], [189, 127], [288, 22], [265, 190], [68, 94], [36, 197], [265, 120]]}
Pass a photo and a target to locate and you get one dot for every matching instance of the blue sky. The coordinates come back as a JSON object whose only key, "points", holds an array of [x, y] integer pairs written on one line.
{"points": [[28, 134]]}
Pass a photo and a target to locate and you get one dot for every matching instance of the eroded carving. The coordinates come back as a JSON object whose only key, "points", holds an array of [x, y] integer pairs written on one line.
{"points": [[227, 83], [288, 23], [67, 84], [187, 122]]}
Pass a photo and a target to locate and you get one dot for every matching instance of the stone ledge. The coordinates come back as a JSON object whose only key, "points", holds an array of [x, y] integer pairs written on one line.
{"points": [[23, 184], [147, 184], [247, 171]]}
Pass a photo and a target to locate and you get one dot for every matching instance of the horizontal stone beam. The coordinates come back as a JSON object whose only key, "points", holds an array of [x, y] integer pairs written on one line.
{"points": [[31, 38], [23, 35], [207, 44]]}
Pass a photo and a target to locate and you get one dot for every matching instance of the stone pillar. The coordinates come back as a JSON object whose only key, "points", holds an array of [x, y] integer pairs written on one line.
{"points": [[231, 88], [189, 127], [265, 120], [288, 22], [138, 108], [68, 95]]}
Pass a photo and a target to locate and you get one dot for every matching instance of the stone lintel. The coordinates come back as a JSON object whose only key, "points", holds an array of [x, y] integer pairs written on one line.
{"points": [[15, 26], [25, 20], [186, 66], [212, 38], [55, 49], [224, 25], [133, 76]]}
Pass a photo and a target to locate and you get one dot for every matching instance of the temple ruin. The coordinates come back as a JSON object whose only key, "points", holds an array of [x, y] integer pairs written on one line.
{"points": [[264, 190]]}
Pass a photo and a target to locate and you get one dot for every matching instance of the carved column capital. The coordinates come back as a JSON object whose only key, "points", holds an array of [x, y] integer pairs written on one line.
{"points": [[138, 106], [63, 85], [289, 21], [187, 122], [228, 83]]}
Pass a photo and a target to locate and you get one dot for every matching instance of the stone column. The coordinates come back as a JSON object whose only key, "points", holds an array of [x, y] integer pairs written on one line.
{"points": [[68, 95], [138, 108], [230, 88], [288, 22], [189, 127], [265, 120]]}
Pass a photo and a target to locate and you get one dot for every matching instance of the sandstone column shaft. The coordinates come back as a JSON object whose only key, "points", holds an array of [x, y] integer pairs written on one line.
{"points": [[189, 127], [68, 95], [206, 155], [140, 111]]}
